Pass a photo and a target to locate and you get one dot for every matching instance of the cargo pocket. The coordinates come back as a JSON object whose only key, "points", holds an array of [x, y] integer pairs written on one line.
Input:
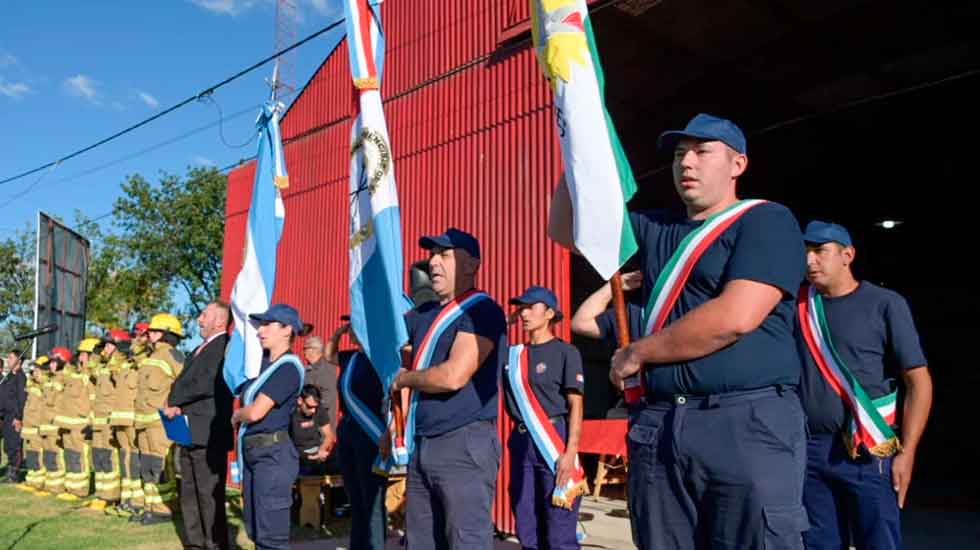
{"points": [[784, 527], [641, 442], [276, 502]]}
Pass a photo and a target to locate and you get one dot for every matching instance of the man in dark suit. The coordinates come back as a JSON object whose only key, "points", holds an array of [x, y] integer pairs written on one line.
{"points": [[200, 393], [13, 396]]}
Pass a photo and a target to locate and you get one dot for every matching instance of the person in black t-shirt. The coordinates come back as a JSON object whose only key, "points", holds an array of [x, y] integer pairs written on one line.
{"points": [[304, 429], [553, 373], [853, 492]]}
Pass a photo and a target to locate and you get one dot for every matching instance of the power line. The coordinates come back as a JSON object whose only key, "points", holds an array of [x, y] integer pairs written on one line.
{"points": [[169, 110]]}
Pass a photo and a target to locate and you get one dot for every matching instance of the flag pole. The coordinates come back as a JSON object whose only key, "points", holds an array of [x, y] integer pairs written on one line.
{"points": [[619, 303], [397, 407]]}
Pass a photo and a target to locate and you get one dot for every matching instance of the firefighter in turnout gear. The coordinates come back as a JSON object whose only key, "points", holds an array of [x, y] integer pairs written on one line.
{"points": [[105, 449], [33, 414], [73, 413], [52, 456], [156, 374], [125, 381]]}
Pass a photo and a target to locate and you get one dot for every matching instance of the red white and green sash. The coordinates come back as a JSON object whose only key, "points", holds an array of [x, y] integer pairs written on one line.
{"points": [[403, 446], [871, 420], [543, 432], [670, 283]]}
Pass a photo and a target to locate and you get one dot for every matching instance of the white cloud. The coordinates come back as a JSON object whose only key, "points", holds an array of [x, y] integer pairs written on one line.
{"points": [[203, 161], [235, 8], [13, 90], [326, 7], [84, 87], [8, 60], [150, 101], [225, 7]]}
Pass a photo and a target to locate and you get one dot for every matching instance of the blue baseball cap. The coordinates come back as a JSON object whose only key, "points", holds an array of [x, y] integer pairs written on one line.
{"points": [[706, 127], [281, 313], [538, 294], [818, 232], [453, 238]]}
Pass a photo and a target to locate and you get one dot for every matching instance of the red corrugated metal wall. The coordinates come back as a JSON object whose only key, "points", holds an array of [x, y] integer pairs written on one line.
{"points": [[474, 145]]}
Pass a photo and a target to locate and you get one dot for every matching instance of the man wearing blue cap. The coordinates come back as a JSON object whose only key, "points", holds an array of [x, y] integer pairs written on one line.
{"points": [[450, 433], [856, 338], [717, 434]]}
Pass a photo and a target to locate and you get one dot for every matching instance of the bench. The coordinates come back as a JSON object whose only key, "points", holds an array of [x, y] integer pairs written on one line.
{"points": [[310, 489]]}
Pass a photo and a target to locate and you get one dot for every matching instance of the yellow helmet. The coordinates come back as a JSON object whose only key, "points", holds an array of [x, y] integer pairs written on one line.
{"points": [[41, 360], [88, 344], [167, 323]]}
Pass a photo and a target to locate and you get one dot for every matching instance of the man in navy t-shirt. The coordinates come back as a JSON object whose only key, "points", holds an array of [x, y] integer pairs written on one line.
{"points": [[858, 489], [452, 473], [717, 444]]}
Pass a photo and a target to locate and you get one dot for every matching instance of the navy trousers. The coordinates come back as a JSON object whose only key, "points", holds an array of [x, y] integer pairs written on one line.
{"points": [[267, 488], [365, 489], [850, 502], [450, 487], [718, 472], [540, 525]]}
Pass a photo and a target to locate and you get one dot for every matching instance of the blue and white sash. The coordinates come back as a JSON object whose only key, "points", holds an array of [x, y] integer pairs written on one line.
{"points": [[360, 412], [248, 397]]}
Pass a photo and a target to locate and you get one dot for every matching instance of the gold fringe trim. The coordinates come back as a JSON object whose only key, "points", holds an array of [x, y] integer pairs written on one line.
{"points": [[885, 449], [282, 182], [579, 489], [366, 83]]}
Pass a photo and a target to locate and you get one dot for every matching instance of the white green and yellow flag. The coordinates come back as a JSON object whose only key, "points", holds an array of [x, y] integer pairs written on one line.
{"points": [[597, 173]]}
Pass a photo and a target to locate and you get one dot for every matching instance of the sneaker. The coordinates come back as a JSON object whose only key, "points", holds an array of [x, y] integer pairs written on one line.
{"points": [[137, 516], [68, 497], [42, 493], [25, 487], [97, 504]]}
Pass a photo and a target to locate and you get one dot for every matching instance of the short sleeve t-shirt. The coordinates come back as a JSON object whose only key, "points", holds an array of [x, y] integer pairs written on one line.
{"points": [[364, 383], [305, 431], [438, 413], [282, 387], [765, 245], [874, 335], [608, 330], [554, 369]]}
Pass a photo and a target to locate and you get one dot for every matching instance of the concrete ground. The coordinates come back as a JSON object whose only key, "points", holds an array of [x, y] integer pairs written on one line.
{"points": [[924, 528]]}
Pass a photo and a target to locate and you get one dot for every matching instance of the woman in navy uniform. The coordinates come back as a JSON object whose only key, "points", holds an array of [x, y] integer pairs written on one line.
{"points": [[544, 387], [358, 435], [270, 461]]}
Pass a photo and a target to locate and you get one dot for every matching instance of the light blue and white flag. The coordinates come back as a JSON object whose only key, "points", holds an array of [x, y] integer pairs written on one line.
{"points": [[378, 302], [256, 281]]}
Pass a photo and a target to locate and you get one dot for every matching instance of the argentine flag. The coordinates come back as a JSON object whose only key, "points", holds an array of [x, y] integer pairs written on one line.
{"points": [[599, 178], [256, 281], [378, 302]]}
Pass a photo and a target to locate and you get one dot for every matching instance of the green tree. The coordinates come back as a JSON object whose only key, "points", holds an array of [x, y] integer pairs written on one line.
{"points": [[120, 290], [173, 232], [16, 285]]}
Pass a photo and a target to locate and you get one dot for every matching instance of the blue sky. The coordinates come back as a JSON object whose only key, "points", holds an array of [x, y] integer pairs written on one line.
{"points": [[72, 73]]}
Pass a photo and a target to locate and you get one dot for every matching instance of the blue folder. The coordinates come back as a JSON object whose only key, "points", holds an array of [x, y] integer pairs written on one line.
{"points": [[178, 429]]}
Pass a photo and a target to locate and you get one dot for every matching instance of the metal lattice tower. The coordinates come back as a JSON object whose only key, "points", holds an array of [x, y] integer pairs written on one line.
{"points": [[285, 37]]}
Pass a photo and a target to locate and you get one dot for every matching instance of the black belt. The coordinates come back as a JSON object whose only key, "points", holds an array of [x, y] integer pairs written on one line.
{"points": [[716, 400], [522, 427], [259, 441]]}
